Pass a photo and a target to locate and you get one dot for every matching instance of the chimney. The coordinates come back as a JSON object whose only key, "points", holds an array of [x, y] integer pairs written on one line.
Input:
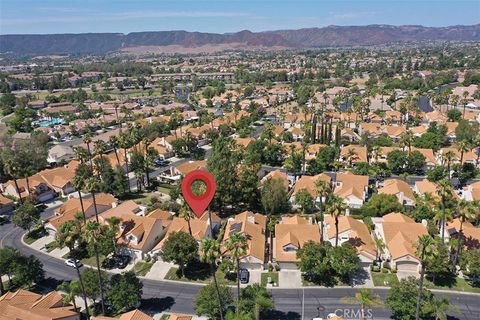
{"points": [[114, 204], [425, 223]]}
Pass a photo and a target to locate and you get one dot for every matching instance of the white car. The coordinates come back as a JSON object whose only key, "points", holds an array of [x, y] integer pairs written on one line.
{"points": [[71, 263]]}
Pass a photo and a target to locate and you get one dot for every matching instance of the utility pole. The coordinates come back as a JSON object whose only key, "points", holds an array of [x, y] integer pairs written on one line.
{"points": [[303, 303]]}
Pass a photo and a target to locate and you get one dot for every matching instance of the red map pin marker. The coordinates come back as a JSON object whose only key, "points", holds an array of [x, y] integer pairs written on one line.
{"points": [[198, 203]]}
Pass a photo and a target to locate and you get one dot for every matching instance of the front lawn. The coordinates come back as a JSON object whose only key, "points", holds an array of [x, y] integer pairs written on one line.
{"points": [[49, 247], [200, 274], [272, 275], [141, 268], [91, 261], [381, 279], [456, 284]]}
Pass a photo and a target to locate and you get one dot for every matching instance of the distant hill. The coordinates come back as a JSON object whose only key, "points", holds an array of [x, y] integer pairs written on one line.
{"points": [[331, 36]]}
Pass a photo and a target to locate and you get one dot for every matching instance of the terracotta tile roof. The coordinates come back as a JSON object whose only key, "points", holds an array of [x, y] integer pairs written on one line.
{"points": [[401, 237], [359, 235], [188, 166], [276, 174], [308, 183], [23, 304], [5, 200], [471, 233], [296, 235], [253, 226], [395, 187], [348, 184], [360, 153]]}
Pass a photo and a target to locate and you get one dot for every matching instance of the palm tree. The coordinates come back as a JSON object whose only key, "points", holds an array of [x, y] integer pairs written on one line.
{"points": [[466, 211], [11, 168], [272, 222], [336, 208], [186, 213], [323, 191], [465, 95], [210, 253], [124, 142], [351, 153], [260, 298], [380, 246], [406, 140], [424, 252], [114, 143], [81, 154], [88, 140], [444, 191], [92, 235], [237, 246], [68, 235], [71, 289], [462, 147], [92, 185], [441, 306], [366, 299], [113, 222]]}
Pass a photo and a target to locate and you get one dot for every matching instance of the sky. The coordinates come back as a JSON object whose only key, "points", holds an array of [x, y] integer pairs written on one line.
{"points": [[222, 16]]}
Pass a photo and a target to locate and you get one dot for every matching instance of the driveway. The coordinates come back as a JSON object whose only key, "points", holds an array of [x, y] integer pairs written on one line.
{"points": [[159, 270], [405, 274], [290, 279]]}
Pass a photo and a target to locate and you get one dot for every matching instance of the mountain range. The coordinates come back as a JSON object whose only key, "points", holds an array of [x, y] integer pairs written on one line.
{"points": [[179, 41]]}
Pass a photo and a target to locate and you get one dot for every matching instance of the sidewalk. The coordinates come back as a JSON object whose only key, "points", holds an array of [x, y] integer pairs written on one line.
{"points": [[159, 270]]}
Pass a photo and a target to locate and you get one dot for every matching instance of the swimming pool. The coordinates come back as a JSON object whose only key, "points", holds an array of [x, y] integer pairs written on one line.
{"points": [[54, 121]]}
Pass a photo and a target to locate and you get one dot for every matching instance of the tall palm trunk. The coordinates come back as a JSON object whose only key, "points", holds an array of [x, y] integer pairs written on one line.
{"points": [[116, 155], [81, 206], [238, 286], [212, 269], [336, 231], [82, 287], [18, 190], [100, 280], [420, 289], [126, 167]]}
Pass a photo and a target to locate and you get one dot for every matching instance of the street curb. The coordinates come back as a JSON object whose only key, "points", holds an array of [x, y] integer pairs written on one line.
{"points": [[272, 288]]}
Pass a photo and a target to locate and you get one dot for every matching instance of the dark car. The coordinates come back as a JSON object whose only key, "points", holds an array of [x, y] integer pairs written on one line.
{"points": [[108, 263], [244, 276], [4, 219], [121, 261]]}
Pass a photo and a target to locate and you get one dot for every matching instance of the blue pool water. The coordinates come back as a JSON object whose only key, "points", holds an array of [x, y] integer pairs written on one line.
{"points": [[46, 123]]}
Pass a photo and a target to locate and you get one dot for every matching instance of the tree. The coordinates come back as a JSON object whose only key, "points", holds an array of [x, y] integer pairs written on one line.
{"points": [[210, 252], [91, 280], [92, 235], [415, 162], [470, 263], [237, 247], [344, 260], [26, 216], [437, 173], [71, 290], [438, 265], [336, 207], [274, 196], [424, 252], [205, 305], [180, 248], [397, 161], [304, 199], [125, 291], [366, 299], [314, 262], [28, 271], [402, 299], [8, 256], [454, 115], [68, 235], [440, 307], [381, 204], [257, 299]]}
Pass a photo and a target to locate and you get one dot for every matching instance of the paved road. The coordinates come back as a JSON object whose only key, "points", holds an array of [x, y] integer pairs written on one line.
{"points": [[178, 297]]}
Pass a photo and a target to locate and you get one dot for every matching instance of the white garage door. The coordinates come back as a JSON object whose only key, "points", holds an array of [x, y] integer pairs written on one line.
{"points": [[407, 266]]}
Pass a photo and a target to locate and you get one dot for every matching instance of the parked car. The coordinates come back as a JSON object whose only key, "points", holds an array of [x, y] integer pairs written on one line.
{"points": [[4, 219], [122, 261], [244, 276], [160, 162], [71, 263]]}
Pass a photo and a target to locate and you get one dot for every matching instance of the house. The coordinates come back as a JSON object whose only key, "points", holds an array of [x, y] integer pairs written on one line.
{"points": [[470, 232], [244, 143], [352, 154], [60, 179], [309, 183], [297, 133], [400, 235], [400, 189], [35, 187], [291, 234], [6, 205], [430, 159], [138, 234], [276, 174], [186, 167], [353, 189], [60, 153], [73, 206], [23, 304], [353, 231], [200, 228], [131, 315], [253, 226]]}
